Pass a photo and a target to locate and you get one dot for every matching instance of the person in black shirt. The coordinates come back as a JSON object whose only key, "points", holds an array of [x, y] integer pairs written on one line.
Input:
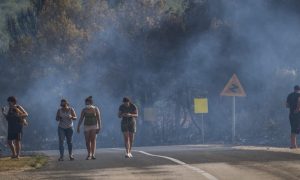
{"points": [[128, 112], [293, 103], [15, 116]]}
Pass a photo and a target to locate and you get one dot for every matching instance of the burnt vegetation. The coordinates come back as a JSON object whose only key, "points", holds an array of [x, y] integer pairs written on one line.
{"points": [[162, 53]]}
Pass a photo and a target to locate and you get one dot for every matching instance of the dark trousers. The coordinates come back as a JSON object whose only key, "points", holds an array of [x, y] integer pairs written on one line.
{"points": [[295, 123], [62, 133]]}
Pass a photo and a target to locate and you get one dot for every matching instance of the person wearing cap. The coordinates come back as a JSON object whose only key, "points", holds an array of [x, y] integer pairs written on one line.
{"points": [[65, 116], [128, 112], [293, 103]]}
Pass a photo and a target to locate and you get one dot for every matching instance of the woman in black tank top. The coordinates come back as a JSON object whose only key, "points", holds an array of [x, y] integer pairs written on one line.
{"points": [[15, 116]]}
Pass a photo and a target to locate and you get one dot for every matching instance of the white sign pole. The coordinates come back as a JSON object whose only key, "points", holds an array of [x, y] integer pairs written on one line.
{"points": [[233, 121], [202, 127], [233, 88]]}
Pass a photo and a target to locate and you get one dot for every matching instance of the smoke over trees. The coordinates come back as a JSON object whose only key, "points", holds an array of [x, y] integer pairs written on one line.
{"points": [[162, 53]]}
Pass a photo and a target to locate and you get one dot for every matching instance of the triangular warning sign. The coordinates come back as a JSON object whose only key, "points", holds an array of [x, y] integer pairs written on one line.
{"points": [[233, 88]]}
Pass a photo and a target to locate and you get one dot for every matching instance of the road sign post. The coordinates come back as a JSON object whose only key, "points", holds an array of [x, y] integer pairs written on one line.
{"points": [[201, 107], [235, 89], [233, 120], [202, 125]]}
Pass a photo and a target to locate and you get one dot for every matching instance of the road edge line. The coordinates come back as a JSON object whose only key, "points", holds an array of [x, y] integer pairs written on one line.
{"points": [[198, 170]]}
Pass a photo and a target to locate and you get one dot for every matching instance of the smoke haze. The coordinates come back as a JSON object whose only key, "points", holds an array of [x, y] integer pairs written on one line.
{"points": [[163, 57]]}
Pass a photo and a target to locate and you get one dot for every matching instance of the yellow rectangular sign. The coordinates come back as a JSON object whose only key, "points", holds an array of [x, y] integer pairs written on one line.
{"points": [[201, 105]]}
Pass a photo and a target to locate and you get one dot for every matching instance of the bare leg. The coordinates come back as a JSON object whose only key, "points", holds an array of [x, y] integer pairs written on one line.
{"points": [[88, 142], [18, 147], [126, 141], [93, 135], [12, 147], [293, 141], [131, 139]]}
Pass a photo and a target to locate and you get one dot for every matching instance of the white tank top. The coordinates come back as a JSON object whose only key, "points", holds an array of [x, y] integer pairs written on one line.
{"points": [[65, 122]]}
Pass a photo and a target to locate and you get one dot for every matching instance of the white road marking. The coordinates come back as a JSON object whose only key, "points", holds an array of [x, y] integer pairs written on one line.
{"points": [[198, 170]]}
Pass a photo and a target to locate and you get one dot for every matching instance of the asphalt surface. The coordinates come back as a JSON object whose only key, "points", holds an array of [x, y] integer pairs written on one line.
{"points": [[173, 162]]}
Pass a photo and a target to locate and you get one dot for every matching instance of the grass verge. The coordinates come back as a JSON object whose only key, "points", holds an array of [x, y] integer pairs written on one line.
{"points": [[24, 163]]}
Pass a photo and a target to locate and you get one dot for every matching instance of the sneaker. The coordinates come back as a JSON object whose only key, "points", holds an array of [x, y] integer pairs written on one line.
{"points": [[61, 159], [126, 155], [130, 155], [72, 158], [93, 157], [88, 158]]}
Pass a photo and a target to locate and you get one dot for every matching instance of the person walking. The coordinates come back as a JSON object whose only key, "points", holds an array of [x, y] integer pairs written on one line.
{"points": [[15, 116], [128, 112], [92, 126], [293, 103], [65, 116]]}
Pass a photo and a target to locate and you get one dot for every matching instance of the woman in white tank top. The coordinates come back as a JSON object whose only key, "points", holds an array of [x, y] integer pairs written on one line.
{"points": [[65, 117]]}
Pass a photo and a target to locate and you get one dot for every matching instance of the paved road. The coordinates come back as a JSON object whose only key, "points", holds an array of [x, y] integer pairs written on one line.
{"points": [[190, 162]]}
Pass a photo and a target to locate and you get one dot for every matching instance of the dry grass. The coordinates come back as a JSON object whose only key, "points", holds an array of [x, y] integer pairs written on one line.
{"points": [[24, 163]]}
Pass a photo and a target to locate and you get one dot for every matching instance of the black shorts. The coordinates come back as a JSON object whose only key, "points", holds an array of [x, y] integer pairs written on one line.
{"points": [[295, 123], [128, 125], [14, 136]]}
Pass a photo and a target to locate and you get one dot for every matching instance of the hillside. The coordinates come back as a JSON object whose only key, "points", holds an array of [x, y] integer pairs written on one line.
{"points": [[8, 7]]}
